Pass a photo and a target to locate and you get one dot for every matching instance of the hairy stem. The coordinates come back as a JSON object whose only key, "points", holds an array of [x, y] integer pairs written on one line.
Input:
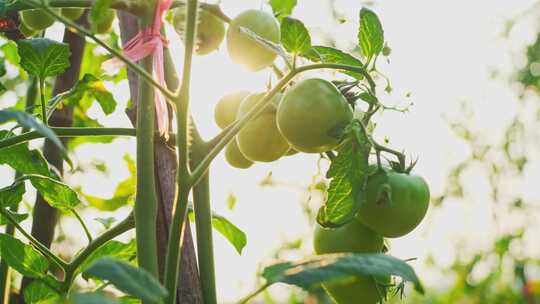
{"points": [[183, 181], [146, 197]]}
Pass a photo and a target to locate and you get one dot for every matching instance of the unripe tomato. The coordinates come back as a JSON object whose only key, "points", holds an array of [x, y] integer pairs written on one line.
{"points": [[259, 139], [72, 13], [210, 30], [351, 237], [235, 158], [246, 51], [26, 31], [309, 112], [355, 238], [227, 108], [36, 19], [395, 203], [105, 24]]}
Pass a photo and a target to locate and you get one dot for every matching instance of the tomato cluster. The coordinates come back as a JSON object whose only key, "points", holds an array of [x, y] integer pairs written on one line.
{"points": [[306, 118], [37, 20]]}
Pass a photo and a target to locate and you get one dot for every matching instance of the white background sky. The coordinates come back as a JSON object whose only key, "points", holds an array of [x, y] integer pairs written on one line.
{"points": [[442, 52]]}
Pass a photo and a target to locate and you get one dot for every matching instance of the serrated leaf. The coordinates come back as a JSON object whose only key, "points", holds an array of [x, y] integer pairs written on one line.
{"points": [[39, 293], [56, 193], [11, 196], [112, 249], [30, 122], [43, 57], [21, 257], [107, 222], [370, 34], [129, 279], [282, 8], [274, 47], [348, 173], [91, 298], [313, 271], [295, 36], [231, 232], [325, 54]]}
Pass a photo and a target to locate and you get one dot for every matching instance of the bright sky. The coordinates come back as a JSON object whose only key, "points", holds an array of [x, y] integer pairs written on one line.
{"points": [[442, 52]]}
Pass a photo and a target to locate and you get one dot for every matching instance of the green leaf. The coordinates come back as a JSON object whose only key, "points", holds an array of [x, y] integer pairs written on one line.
{"points": [[274, 47], [371, 34], [295, 36], [113, 249], [22, 159], [40, 293], [89, 86], [327, 54], [311, 272], [127, 278], [92, 298], [56, 193], [43, 57], [11, 196], [18, 217], [348, 173], [23, 258], [282, 8], [30, 122], [232, 233]]}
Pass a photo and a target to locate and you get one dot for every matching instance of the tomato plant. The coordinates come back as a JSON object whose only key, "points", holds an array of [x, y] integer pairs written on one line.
{"points": [[293, 116]]}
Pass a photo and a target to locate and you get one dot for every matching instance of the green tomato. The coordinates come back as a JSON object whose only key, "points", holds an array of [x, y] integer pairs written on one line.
{"points": [[26, 31], [309, 112], [72, 13], [246, 51], [356, 238], [259, 139], [210, 30], [394, 203], [235, 158], [36, 19], [104, 25], [351, 237], [227, 107]]}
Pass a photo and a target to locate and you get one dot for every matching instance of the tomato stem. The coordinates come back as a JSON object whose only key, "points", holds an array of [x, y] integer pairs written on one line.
{"points": [[146, 202], [172, 262]]}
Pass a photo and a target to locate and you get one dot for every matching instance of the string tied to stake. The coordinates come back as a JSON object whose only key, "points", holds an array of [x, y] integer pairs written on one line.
{"points": [[150, 42]]}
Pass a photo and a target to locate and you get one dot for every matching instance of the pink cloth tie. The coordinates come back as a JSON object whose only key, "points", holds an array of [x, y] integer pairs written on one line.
{"points": [[149, 42]]}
